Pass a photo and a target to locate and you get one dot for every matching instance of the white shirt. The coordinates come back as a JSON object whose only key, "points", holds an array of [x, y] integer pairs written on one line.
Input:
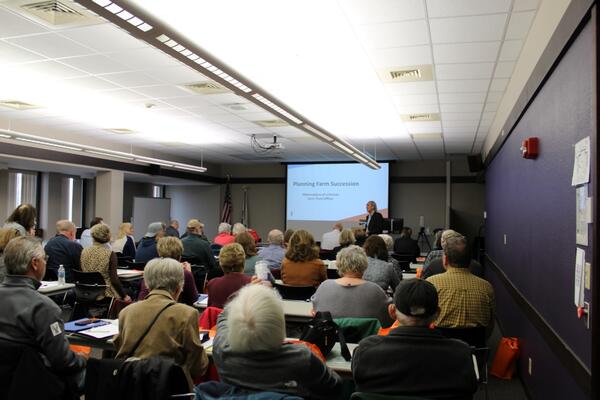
{"points": [[86, 239], [330, 240]]}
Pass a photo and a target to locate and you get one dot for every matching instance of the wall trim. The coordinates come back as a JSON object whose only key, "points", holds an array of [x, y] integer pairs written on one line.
{"points": [[569, 360]]}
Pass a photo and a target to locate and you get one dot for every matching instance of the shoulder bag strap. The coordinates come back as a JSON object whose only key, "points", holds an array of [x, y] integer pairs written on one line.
{"points": [[147, 330]]}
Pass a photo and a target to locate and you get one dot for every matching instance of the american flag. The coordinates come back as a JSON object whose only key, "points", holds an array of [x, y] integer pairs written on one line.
{"points": [[227, 207]]}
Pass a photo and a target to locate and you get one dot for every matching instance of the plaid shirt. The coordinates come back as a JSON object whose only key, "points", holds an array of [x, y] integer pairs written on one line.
{"points": [[464, 299]]}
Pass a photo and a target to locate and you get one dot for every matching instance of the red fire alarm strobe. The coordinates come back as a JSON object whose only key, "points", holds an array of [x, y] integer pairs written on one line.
{"points": [[530, 147]]}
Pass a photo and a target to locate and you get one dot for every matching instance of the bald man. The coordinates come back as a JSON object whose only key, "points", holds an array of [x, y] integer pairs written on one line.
{"points": [[332, 239], [274, 253], [63, 249]]}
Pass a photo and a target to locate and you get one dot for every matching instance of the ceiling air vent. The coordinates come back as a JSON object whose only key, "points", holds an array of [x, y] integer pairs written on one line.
{"points": [[271, 123], [120, 131], [207, 87], [407, 74], [53, 13], [17, 105], [422, 117], [426, 136]]}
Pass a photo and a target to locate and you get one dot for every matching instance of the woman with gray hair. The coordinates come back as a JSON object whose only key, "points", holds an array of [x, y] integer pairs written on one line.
{"points": [[175, 333], [224, 235], [249, 350], [351, 295]]}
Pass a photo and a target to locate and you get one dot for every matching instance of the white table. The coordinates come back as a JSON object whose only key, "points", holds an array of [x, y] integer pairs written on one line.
{"points": [[127, 275], [336, 362], [294, 310], [53, 288]]}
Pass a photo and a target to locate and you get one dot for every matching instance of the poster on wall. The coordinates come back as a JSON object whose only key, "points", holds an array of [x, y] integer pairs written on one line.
{"points": [[579, 278], [581, 225], [581, 162]]}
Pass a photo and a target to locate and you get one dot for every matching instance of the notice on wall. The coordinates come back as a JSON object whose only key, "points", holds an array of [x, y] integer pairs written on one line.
{"points": [[581, 162], [582, 215], [579, 278]]}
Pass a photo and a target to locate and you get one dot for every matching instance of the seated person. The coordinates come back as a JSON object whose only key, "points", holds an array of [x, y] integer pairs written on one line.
{"points": [[195, 247], [224, 235], [100, 258], [351, 295], [437, 267], [380, 271], [274, 253], [331, 239], [249, 351], [360, 235], [231, 260], [173, 228], [437, 251], [29, 317], [63, 250], [346, 239], [125, 242], [238, 228], [405, 244], [171, 247], [247, 242], [287, 235], [86, 236], [389, 244], [301, 265], [414, 360], [146, 249], [175, 332], [6, 235]]}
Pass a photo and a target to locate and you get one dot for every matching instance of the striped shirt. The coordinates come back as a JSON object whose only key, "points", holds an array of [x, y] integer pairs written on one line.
{"points": [[465, 300]]}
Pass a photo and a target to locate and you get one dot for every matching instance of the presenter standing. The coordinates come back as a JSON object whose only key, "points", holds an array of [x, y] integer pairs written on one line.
{"points": [[374, 219]]}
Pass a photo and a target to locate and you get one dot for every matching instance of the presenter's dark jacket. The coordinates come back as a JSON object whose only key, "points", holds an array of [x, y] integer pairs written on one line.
{"points": [[375, 226], [61, 250], [414, 361]]}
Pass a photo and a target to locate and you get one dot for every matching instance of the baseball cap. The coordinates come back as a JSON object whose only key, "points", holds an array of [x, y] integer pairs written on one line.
{"points": [[416, 298], [153, 229]]}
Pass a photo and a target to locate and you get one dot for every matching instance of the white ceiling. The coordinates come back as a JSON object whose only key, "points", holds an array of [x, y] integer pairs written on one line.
{"points": [[96, 77]]}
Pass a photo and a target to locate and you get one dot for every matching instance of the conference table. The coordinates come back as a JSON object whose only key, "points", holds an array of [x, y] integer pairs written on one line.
{"points": [[294, 310], [128, 275], [53, 288]]}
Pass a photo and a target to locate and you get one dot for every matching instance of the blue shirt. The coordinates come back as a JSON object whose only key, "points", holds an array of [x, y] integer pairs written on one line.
{"points": [[146, 250], [61, 250], [273, 255]]}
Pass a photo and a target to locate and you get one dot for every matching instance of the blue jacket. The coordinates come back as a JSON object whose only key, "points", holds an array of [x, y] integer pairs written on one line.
{"points": [[146, 250], [62, 250]]}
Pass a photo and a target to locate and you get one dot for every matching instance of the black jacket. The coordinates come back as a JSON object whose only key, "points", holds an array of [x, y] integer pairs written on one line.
{"points": [[406, 245], [62, 250], [375, 226], [414, 361]]}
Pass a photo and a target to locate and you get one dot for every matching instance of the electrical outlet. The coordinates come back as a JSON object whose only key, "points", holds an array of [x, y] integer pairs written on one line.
{"points": [[484, 214], [505, 238], [530, 365]]}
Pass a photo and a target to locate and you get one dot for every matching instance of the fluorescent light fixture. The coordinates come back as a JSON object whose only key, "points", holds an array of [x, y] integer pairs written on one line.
{"points": [[113, 8], [62, 146], [318, 133], [342, 147], [102, 3], [3, 135], [361, 158], [154, 161], [187, 168], [101, 153]]}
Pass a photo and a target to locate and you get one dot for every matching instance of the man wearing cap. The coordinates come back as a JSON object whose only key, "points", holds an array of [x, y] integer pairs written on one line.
{"points": [[196, 248], [414, 360], [146, 250], [173, 229]]}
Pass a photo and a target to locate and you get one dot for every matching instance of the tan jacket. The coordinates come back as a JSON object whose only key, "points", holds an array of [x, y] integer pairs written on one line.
{"points": [[174, 335], [307, 273]]}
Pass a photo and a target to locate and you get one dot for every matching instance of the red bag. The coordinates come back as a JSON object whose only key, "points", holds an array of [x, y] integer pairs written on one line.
{"points": [[505, 362]]}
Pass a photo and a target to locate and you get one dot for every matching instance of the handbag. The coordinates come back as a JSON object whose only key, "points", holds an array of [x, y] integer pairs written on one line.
{"points": [[323, 332], [505, 361]]}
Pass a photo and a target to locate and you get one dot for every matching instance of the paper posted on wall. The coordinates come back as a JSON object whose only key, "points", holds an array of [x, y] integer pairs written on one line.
{"points": [[581, 223], [579, 278], [581, 162]]}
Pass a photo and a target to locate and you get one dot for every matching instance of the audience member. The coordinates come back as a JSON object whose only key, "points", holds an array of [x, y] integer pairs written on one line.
{"points": [[63, 250], [247, 242], [224, 234], [249, 351], [405, 244], [31, 318], [359, 235], [23, 219], [171, 247], [125, 243], [436, 266], [254, 234], [380, 271], [389, 244], [301, 265], [439, 253], [173, 229], [346, 239], [196, 248], [351, 295], [331, 239], [100, 258], [287, 235], [274, 253], [466, 301], [86, 236], [175, 333], [238, 228], [231, 260], [146, 249], [6, 235], [374, 222], [431, 366]]}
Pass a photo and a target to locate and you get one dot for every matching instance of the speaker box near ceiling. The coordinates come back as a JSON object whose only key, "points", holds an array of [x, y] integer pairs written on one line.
{"points": [[475, 163]]}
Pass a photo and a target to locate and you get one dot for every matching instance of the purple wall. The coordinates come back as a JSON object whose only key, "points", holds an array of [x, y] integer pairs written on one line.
{"points": [[533, 203]]}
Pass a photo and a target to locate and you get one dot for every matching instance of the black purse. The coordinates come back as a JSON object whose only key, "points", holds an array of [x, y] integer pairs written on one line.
{"points": [[323, 333]]}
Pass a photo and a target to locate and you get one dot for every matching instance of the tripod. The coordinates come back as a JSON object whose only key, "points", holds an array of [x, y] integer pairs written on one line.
{"points": [[422, 239]]}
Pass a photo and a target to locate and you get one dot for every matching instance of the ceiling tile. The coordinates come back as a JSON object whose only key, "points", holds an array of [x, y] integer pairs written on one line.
{"points": [[142, 58], [394, 34], [465, 52], [408, 88], [124, 95], [519, 25], [463, 85], [510, 50], [51, 45], [504, 69], [460, 116], [95, 64], [468, 29], [90, 83], [495, 96], [130, 79], [184, 101], [51, 69], [464, 71], [417, 109], [458, 136], [454, 98], [524, 5], [491, 107], [177, 75], [465, 125], [424, 127], [499, 85], [445, 8], [10, 54], [400, 56], [369, 12], [461, 108], [415, 99], [13, 25], [103, 38], [162, 91]]}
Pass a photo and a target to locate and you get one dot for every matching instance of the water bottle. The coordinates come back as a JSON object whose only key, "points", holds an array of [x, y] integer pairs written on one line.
{"points": [[61, 275]]}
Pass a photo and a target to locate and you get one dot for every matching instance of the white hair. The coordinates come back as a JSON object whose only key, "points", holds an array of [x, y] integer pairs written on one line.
{"points": [[224, 227], [351, 259], [389, 241], [164, 273], [276, 237], [238, 228], [255, 320], [19, 252]]}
